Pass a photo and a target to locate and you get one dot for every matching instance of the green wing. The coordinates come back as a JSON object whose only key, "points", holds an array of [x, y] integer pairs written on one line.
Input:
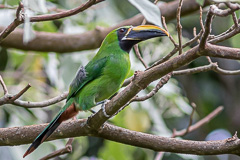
{"points": [[84, 75]]}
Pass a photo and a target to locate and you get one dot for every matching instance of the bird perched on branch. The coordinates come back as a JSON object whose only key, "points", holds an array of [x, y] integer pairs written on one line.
{"points": [[102, 77]]}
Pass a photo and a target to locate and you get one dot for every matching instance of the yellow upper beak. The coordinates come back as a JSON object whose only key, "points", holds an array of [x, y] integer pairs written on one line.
{"points": [[144, 32], [149, 27]]}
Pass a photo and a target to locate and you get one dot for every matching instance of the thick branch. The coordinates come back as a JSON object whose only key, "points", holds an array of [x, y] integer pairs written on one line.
{"points": [[17, 136], [88, 40]]}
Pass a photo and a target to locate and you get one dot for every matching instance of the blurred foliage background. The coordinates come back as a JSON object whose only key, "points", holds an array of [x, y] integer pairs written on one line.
{"points": [[51, 73]]}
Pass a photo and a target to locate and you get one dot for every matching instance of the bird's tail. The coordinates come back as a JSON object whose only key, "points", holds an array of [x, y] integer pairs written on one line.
{"points": [[67, 112]]}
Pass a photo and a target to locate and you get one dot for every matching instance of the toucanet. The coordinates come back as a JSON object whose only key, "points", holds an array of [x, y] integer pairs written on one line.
{"points": [[102, 77]]}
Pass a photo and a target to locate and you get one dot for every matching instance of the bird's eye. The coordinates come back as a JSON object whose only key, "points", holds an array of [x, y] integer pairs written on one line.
{"points": [[121, 30]]}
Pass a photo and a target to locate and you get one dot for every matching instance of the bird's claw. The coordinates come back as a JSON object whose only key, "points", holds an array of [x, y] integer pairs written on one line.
{"points": [[103, 109]]}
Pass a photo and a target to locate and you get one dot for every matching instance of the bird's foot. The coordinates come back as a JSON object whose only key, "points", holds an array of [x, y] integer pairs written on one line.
{"points": [[103, 109]]}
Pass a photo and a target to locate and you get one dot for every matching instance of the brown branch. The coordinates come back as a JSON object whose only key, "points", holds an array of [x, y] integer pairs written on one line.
{"points": [[212, 66], [222, 13], [13, 136], [2, 6], [18, 20], [13, 99], [190, 120], [196, 69], [201, 20], [27, 104], [66, 149], [90, 39], [170, 36], [222, 37], [200, 123], [235, 20], [9, 98], [194, 39], [19, 94], [176, 48], [159, 85], [5, 90], [164, 59], [179, 26], [207, 27], [137, 52], [167, 57], [233, 27], [63, 14]]}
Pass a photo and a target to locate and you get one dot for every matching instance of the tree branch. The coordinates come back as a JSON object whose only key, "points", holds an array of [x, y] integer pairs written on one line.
{"points": [[179, 26], [17, 136], [90, 39], [5, 90], [19, 20]]}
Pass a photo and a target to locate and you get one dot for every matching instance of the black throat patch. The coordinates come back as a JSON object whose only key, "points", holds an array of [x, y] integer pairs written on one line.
{"points": [[126, 45]]}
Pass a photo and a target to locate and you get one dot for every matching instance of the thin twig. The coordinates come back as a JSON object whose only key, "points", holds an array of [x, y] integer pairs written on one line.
{"points": [[17, 21], [194, 39], [227, 31], [200, 19], [235, 20], [27, 104], [225, 36], [170, 37], [223, 13], [139, 55], [179, 26], [63, 14], [191, 118], [209, 59], [5, 90], [164, 59], [176, 48], [196, 69], [13, 99], [19, 94], [2, 6], [191, 127], [200, 123], [159, 85], [207, 27]]}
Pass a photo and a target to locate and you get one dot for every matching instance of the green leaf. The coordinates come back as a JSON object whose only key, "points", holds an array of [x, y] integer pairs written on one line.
{"points": [[149, 10], [200, 2]]}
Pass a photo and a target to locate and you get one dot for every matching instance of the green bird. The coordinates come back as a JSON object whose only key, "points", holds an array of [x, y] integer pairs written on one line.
{"points": [[102, 77]]}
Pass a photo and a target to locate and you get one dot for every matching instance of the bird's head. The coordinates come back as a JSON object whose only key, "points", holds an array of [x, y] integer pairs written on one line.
{"points": [[128, 36]]}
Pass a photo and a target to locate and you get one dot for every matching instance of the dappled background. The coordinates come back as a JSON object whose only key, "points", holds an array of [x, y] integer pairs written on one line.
{"points": [[50, 74]]}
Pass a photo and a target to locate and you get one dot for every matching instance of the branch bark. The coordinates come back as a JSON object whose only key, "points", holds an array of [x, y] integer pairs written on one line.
{"points": [[75, 128]]}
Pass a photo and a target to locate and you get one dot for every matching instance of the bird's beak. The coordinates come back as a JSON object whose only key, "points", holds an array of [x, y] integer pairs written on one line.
{"points": [[144, 32]]}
